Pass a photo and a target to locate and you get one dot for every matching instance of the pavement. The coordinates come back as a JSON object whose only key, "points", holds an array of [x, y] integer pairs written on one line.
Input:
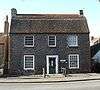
{"points": [[51, 78]]}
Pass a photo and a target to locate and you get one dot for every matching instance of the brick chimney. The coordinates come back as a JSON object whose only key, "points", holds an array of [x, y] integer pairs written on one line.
{"points": [[6, 26], [13, 13], [81, 12]]}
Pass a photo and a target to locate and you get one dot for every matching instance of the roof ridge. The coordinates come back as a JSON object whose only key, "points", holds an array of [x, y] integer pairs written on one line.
{"points": [[49, 15]]}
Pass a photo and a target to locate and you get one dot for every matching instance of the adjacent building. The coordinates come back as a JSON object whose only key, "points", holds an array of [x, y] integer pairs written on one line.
{"points": [[94, 40], [3, 46], [50, 41], [2, 55]]}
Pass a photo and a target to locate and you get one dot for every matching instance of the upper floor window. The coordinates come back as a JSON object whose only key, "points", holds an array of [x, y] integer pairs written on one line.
{"points": [[73, 61], [52, 41], [29, 41], [29, 62], [72, 40]]}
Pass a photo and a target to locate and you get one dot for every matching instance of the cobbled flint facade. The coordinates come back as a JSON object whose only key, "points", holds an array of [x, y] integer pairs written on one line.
{"points": [[50, 41]]}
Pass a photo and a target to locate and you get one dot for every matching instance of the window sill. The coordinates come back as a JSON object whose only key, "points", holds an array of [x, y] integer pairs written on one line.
{"points": [[52, 46], [28, 68], [28, 46], [73, 46], [74, 68]]}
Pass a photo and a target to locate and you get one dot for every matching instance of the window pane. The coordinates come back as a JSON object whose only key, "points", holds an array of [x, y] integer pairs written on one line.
{"points": [[52, 40], [29, 62], [72, 40], [74, 61], [29, 40]]}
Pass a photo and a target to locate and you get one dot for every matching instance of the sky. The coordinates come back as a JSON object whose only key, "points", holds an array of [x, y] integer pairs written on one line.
{"points": [[91, 10]]}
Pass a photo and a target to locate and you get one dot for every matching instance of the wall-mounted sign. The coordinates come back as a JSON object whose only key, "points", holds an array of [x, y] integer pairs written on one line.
{"points": [[62, 60]]}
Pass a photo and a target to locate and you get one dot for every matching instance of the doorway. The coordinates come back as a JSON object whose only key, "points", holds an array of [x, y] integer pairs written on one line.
{"points": [[52, 64]]}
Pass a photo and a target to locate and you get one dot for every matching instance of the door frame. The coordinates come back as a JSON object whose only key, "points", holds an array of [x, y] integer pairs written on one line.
{"points": [[47, 62]]}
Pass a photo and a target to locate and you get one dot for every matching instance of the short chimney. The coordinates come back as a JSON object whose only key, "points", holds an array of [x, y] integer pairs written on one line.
{"points": [[81, 12], [92, 38], [6, 26], [13, 13]]}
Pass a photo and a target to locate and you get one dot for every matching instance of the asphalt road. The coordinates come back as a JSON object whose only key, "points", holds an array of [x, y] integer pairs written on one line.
{"points": [[80, 85]]}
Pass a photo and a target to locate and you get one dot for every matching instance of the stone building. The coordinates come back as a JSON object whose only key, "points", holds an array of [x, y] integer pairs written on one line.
{"points": [[50, 41]]}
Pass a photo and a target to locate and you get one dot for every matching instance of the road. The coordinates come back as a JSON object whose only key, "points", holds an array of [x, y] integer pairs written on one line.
{"points": [[80, 85]]}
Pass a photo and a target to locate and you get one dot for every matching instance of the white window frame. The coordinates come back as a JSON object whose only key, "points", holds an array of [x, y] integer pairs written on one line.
{"points": [[77, 61], [55, 41], [33, 62], [28, 45], [76, 39]]}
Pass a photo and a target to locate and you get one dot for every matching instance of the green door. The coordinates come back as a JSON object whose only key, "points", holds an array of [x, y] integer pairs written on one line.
{"points": [[52, 65]]}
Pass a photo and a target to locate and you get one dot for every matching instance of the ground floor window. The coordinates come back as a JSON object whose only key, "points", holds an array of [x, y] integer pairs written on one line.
{"points": [[29, 62], [73, 61]]}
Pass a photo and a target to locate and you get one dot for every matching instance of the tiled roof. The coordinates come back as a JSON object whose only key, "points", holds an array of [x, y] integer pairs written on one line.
{"points": [[49, 23], [47, 16]]}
